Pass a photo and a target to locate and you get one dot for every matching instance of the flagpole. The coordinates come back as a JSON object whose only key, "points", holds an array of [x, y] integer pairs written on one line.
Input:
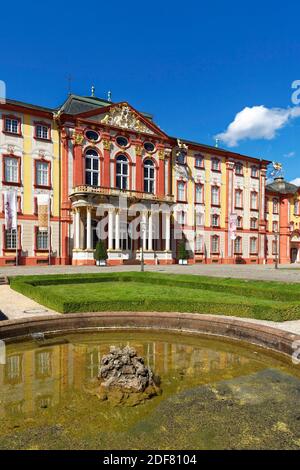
{"points": [[49, 231], [17, 235]]}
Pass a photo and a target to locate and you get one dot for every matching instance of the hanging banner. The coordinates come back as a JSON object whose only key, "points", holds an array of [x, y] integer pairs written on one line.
{"points": [[10, 209], [43, 201], [232, 226]]}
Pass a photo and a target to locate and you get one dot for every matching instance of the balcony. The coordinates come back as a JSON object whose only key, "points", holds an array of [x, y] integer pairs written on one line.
{"points": [[103, 191]]}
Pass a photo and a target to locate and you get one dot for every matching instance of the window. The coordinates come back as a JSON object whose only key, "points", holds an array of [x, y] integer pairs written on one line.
{"points": [[11, 170], [199, 193], [122, 172], [12, 125], [122, 141], [199, 218], [275, 226], [215, 244], [199, 161], [148, 176], [253, 200], [297, 207], [181, 191], [253, 223], [149, 147], [42, 131], [254, 172], [92, 136], [199, 243], [42, 173], [180, 157], [215, 220], [215, 196], [181, 217], [10, 239], [239, 222], [275, 206], [238, 198], [13, 369], [238, 246], [41, 239], [239, 169], [253, 246], [215, 164], [92, 168], [43, 366], [274, 247]]}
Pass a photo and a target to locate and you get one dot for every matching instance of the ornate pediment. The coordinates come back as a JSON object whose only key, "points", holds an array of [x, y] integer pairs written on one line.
{"points": [[122, 116]]}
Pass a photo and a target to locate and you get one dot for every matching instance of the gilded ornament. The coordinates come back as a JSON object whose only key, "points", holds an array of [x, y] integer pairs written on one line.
{"points": [[78, 138], [106, 144]]}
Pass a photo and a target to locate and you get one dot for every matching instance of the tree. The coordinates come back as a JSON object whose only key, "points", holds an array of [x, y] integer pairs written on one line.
{"points": [[100, 252], [182, 251]]}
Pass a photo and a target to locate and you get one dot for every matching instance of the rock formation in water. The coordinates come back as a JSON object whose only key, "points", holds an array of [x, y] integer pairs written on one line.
{"points": [[125, 380]]}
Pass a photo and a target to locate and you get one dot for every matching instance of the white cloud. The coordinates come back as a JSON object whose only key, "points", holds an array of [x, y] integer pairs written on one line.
{"points": [[296, 181], [289, 155], [257, 122]]}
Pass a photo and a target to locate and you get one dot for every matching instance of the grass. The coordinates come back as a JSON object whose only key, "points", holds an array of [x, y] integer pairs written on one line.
{"points": [[137, 291]]}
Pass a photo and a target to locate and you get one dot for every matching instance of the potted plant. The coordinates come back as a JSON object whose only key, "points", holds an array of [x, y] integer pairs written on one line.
{"points": [[100, 254], [182, 253]]}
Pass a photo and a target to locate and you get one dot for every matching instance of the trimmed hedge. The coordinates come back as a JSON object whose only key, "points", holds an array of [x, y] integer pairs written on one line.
{"points": [[33, 287]]}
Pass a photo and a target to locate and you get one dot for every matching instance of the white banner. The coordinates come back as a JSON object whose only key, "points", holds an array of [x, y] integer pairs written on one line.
{"points": [[232, 226], [10, 209], [43, 201]]}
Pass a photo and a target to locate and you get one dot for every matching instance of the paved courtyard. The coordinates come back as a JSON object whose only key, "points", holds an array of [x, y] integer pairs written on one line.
{"points": [[285, 273]]}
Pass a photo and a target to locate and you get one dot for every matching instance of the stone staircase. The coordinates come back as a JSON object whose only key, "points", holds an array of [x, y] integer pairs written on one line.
{"points": [[3, 280]]}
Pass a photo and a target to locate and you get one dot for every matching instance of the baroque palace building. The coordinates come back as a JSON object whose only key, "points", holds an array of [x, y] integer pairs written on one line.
{"points": [[106, 162]]}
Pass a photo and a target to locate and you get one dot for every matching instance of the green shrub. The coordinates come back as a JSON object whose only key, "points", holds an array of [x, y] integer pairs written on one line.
{"points": [[100, 251]]}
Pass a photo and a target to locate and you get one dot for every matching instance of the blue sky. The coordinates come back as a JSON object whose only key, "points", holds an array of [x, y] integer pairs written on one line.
{"points": [[194, 65]]}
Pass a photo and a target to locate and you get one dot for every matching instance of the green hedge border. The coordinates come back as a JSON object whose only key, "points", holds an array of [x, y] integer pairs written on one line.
{"points": [[288, 293]]}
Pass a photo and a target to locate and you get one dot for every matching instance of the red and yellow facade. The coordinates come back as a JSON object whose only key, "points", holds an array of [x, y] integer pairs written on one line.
{"points": [[108, 164]]}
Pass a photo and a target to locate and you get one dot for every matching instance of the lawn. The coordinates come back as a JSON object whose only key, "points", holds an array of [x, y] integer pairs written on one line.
{"points": [[162, 292]]}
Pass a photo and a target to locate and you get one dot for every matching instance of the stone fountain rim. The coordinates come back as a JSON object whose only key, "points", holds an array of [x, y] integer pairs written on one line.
{"points": [[241, 330]]}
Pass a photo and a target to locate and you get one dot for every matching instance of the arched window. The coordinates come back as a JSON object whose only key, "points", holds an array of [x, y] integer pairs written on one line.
{"points": [[239, 169], [275, 206], [253, 246], [122, 172], [238, 246], [215, 244], [253, 200], [149, 176], [297, 207], [92, 168], [238, 203], [215, 196], [239, 221], [181, 194]]}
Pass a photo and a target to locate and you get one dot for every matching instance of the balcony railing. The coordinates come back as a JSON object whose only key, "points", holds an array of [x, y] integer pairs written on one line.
{"points": [[87, 189]]}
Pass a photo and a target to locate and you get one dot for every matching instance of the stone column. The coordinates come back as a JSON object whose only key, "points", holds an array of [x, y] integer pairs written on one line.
{"points": [[168, 229], [117, 230], [88, 228], [150, 219], [77, 229], [110, 228]]}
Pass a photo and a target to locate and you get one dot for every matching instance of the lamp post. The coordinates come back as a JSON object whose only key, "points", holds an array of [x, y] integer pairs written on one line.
{"points": [[276, 254], [143, 230]]}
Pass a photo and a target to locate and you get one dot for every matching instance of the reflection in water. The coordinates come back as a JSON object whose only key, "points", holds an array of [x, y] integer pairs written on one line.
{"points": [[201, 379], [39, 376]]}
